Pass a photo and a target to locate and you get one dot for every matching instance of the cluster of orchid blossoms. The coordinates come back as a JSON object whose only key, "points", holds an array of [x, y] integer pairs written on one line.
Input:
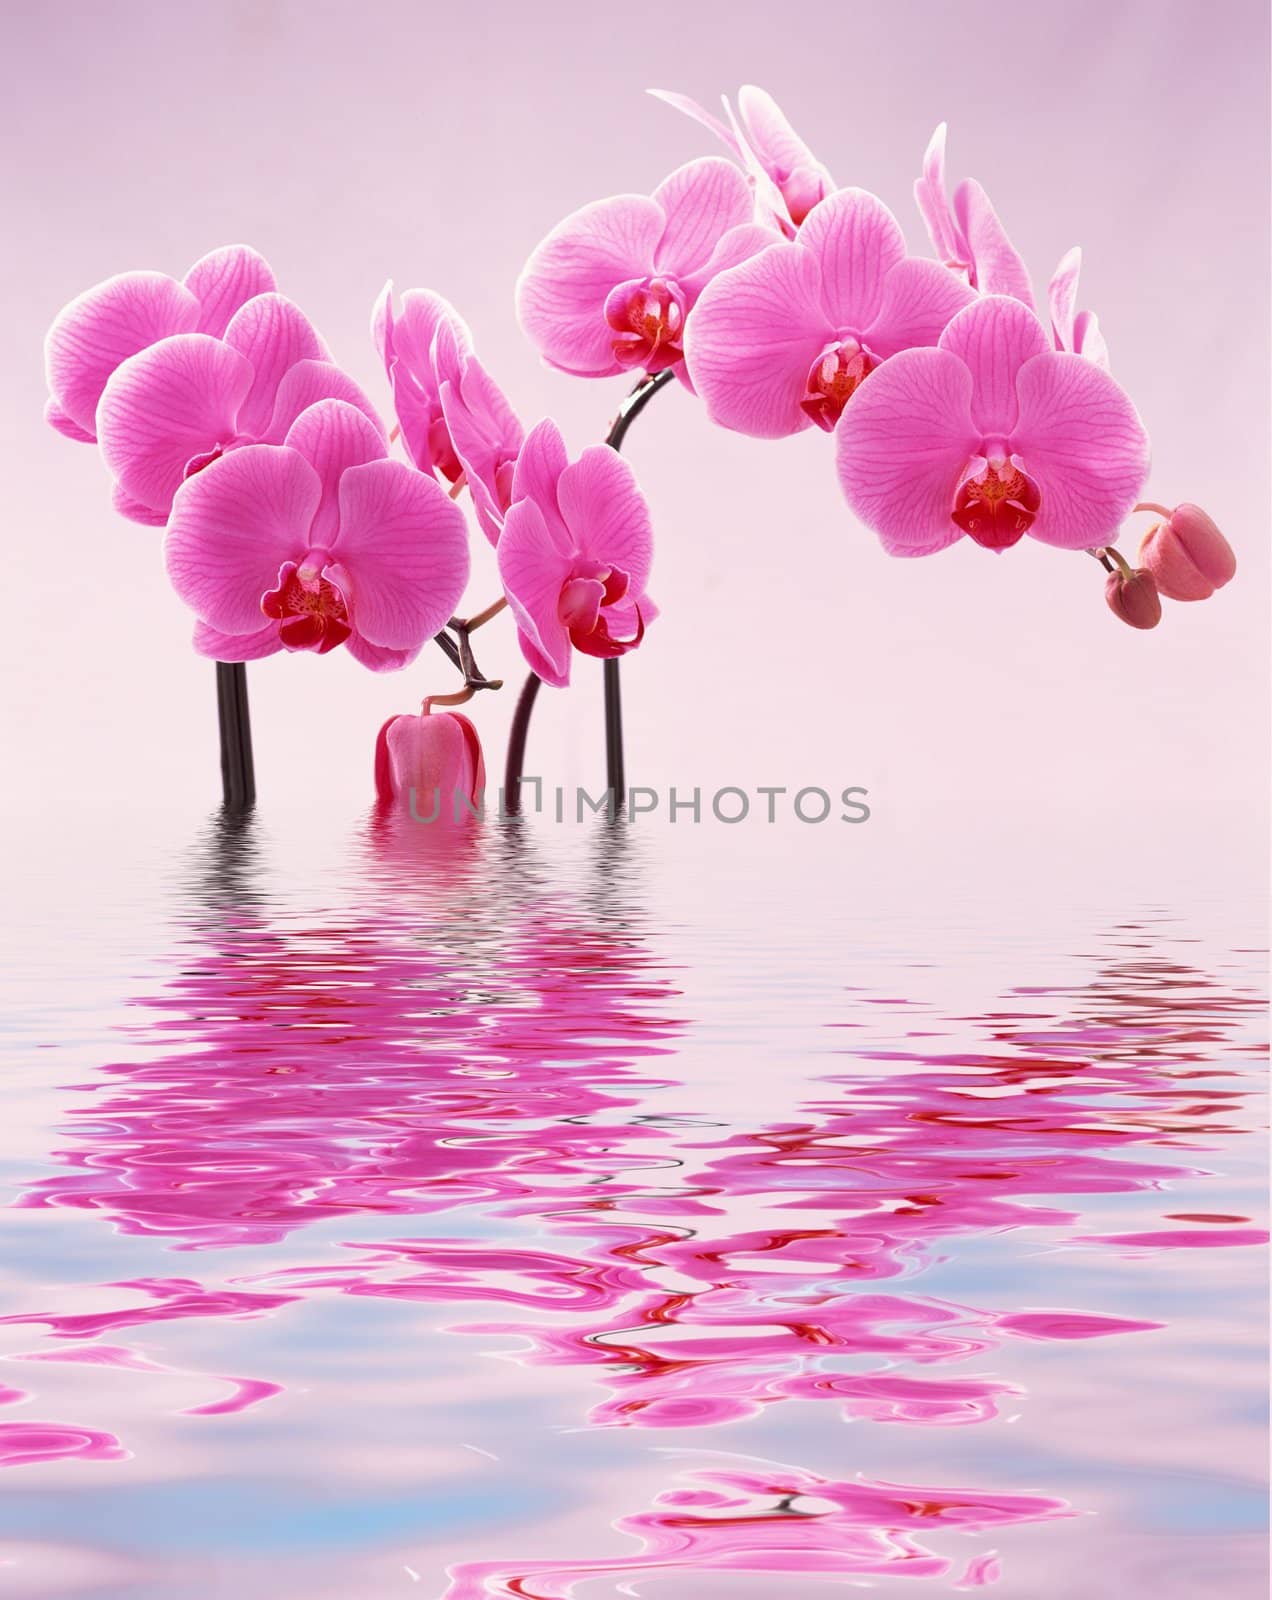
{"points": [[780, 299]]}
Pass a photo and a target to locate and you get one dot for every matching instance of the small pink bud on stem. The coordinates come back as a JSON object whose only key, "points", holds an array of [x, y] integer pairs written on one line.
{"points": [[1131, 592], [1187, 555]]}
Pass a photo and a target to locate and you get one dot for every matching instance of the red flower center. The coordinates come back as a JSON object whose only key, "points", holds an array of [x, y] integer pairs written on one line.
{"points": [[998, 508], [648, 323], [311, 608], [832, 380], [587, 594]]}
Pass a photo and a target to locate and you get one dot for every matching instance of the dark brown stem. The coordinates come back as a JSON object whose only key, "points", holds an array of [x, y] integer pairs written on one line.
{"points": [[515, 769], [238, 769]]}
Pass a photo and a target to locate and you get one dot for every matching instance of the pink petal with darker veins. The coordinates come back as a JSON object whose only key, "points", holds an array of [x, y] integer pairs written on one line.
{"points": [[607, 514], [170, 403], [233, 526], [217, 646], [562, 289], [901, 447], [996, 262], [304, 385], [134, 510], [224, 280], [919, 299], [57, 418], [332, 437], [994, 337], [1082, 440], [404, 543], [857, 242], [101, 328], [752, 338], [701, 202], [934, 205], [273, 334], [539, 467], [533, 567]]}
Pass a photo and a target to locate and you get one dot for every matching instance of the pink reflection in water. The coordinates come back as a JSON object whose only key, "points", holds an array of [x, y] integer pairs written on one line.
{"points": [[779, 1519], [478, 1047]]}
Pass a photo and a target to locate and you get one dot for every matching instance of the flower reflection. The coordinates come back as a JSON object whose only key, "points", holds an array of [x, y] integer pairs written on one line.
{"points": [[477, 1039]]}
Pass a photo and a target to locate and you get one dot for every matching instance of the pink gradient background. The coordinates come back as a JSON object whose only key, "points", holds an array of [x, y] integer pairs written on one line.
{"points": [[992, 706]]}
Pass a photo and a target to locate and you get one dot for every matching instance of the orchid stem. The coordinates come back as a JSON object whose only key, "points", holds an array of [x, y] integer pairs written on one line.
{"points": [[615, 774], [471, 624], [238, 769], [514, 771]]}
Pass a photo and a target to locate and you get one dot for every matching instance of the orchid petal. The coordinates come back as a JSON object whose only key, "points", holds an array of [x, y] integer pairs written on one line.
{"points": [[305, 385], [934, 204], [376, 657], [233, 526], [919, 299], [691, 108], [995, 260], [994, 337], [901, 446], [166, 405], [701, 201], [237, 646], [274, 335], [101, 328], [134, 510], [486, 435], [404, 543], [562, 289], [752, 338], [857, 242], [57, 418], [539, 467], [1062, 297], [1088, 340], [733, 248], [533, 569], [604, 509], [800, 179], [224, 280], [1082, 440], [332, 437]]}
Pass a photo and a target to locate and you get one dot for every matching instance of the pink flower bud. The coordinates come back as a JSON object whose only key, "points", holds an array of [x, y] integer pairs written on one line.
{"points": [[1187, 555], [438, 756], [1132, 595]]}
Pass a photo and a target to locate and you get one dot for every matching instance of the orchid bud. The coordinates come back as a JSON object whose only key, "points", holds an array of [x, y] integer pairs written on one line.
{"points": [[1187, 554], [433, 762], [1132, 595]]}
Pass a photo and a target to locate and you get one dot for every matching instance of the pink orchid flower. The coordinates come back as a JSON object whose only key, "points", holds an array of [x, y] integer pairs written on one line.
{"points": [[315, 542], [1074, 330], [783, 340], [967, 235], [575, 554], [788, 178], [173, 408], [611, 288], [455, 419], [114, 320], [994, 434]]}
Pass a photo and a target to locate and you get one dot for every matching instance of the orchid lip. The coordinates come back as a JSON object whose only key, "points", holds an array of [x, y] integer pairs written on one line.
{"points": [[997, 505], [311, 610], [647, 317], [834, 378]]}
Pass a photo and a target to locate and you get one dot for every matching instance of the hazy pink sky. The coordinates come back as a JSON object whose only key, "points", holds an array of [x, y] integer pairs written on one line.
{"points": [[990, 704]]}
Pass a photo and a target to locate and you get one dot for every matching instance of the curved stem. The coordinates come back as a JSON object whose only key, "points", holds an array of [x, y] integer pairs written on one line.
{"points": [[514, 771]]}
